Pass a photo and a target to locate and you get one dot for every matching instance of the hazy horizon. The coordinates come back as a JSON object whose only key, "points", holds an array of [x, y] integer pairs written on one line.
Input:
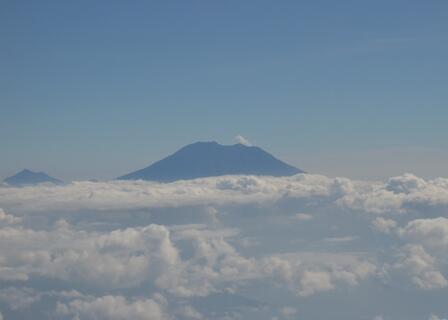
{"points": [[373, 164], [93, 90]]}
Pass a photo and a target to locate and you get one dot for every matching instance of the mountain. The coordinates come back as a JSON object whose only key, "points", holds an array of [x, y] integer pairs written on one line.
{"points": [[28, 177], [208, 159]]}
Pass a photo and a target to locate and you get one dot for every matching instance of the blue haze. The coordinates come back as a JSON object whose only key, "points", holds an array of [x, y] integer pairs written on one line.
{"points": [[98, 89]]}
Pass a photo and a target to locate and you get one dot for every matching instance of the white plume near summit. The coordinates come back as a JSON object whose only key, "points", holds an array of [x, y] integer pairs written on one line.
{"points": [[241, 140]]}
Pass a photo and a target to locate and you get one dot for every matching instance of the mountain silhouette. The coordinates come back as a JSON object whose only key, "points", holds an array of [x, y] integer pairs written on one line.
{"points": [[209, 159], [28, 177]]}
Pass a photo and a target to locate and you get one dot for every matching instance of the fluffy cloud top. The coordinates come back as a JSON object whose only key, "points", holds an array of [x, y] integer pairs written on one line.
{"points": [[143, 250], [114, 308]]}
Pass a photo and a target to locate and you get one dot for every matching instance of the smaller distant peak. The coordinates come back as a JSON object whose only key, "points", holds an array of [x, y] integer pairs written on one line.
{"points": [[28, 177]]}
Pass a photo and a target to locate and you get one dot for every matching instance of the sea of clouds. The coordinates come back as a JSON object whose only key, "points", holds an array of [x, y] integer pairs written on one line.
{"points": [[231, 247]]}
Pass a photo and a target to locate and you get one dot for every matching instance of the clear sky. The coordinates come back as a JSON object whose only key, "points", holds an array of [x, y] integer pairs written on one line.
{"points": [[96, 89]]}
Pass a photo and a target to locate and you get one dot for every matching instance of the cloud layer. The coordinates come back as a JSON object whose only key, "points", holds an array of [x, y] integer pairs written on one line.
{"points": [[203, 249]]}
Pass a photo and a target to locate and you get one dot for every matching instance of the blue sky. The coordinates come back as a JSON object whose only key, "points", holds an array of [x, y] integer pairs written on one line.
{"points": [[98, 89]]}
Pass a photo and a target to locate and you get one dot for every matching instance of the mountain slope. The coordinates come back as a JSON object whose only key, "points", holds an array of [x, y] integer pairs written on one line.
{"points": [[207, 159], [28, 177]]}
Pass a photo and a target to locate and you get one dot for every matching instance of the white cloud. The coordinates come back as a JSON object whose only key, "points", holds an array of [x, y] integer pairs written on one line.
{"points": [[314, 281], [240, 139], [384, 225], [296, 237], [398, 195], [402, 194], [309, 273], [122, 258], [431, 232], [114, 308], [8, 219], [189, 312], [407, 183], [21, 298], [135, 195], [420, 267]]}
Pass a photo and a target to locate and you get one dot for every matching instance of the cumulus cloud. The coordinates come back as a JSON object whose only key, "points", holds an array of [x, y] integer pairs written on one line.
{"points": [[308, 273], [420, 267], [122, 258], [431, 232], [384, 225], [407, 183], [189, 312], [114, 308], [406, 194], [19, 298], [403, 194], [7, 219], [135, 249]]}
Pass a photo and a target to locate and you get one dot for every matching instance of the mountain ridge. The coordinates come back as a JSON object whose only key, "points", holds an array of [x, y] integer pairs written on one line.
{"points": [[208, 159]]}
